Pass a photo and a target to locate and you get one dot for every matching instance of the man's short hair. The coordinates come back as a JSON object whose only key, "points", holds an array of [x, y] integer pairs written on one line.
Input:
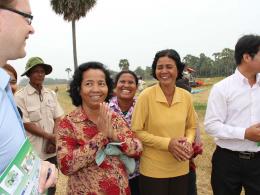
{"points": [[247, 44], [8, 3]]}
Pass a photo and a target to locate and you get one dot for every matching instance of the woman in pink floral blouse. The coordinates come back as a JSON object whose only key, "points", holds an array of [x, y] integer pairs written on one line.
{"points": [[126, 84], [87, 130]]}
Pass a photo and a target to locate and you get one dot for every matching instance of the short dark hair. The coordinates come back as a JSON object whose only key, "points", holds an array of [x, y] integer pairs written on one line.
{"points": [[77, 79], [126, 72], [184, 84], [8, 3], [247, 44], [170, 53]]}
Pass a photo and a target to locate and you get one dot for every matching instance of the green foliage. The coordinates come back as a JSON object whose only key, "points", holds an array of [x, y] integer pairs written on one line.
{"points": [[47, 81], [68, 70], [222, 65], [225, 61], [72, 9], [148, 73], [191, 61], [124, 64], [205, 65], [112, 73], [145, 74], [139, 72], [200, 106]]}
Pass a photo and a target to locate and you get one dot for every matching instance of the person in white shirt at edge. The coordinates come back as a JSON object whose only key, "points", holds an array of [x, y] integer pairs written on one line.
{"points": [[233, 119], [15, 28]]}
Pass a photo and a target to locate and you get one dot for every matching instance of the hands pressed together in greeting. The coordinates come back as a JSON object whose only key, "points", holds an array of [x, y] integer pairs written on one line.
{"points": [[104, 122], [180, 148]]}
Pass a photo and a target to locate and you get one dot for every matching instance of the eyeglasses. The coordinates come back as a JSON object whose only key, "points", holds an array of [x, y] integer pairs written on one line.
{"points": [[13, 81], [28, 17]]}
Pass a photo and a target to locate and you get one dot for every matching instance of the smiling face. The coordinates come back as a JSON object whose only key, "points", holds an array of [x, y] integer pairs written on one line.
{"points": [[166, 71], [126, 87], [16, 30], [93, 89]]}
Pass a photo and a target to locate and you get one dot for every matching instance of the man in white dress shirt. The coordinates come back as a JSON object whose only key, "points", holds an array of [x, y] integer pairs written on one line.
{"points": [[233, 119]]}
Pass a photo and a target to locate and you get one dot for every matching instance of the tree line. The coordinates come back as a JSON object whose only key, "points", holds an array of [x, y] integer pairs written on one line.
{"points": [[47, 81], [223, 64]]}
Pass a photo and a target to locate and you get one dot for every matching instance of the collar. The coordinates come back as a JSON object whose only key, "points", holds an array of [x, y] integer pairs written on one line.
{"points": [[113, 103], [78, 115], [258, 79], [4, 79], [241, 78], [160, 97], [31, 90]]}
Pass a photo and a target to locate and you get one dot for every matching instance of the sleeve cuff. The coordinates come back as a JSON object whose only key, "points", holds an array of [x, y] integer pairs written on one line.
{"points": [[165, 143], [239, 133], [26, 120], [190, 139]]}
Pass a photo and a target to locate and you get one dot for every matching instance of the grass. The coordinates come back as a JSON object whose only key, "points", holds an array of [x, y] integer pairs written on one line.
{"points": [[200, 106], [203, 162]]}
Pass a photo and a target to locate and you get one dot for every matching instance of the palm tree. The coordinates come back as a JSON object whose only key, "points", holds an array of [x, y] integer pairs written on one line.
{"points": [[72, 10], [124, 64], [68, 70]]}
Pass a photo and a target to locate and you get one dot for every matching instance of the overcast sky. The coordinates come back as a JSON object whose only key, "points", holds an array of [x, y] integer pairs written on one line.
{"points": [[137, 29]]}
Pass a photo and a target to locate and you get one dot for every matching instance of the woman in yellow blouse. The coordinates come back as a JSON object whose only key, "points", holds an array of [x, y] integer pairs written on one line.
{"points": [[164, 120]]}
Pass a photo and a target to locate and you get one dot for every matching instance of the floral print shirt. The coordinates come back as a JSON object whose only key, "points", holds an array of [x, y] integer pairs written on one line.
{"points": [[78, 141], [113, 103]]}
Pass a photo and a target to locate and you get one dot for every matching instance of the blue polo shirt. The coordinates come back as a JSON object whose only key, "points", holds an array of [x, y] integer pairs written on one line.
{"points": [[12, 134]]}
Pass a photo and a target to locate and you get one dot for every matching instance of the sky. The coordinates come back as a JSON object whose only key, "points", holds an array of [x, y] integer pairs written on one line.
{"points": [[137, 29]]}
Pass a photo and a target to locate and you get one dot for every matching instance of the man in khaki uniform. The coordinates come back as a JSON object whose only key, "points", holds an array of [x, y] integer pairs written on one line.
{"points": [[41, 110]]}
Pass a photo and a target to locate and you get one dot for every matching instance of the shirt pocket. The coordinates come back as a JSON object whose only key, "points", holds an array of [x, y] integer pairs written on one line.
{"points": [[50, 108], [34, 113]]}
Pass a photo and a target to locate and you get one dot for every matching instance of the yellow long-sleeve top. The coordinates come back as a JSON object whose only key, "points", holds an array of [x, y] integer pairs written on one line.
{"points": [[155, 123]]}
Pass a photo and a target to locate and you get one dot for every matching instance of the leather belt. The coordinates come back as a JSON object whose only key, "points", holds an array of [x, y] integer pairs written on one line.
{"points": [[242, 155]]}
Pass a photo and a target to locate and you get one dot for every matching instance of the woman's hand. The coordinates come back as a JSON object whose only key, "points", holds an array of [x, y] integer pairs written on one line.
{"points": [[180, 149], [197, 149], [104, 122]]}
